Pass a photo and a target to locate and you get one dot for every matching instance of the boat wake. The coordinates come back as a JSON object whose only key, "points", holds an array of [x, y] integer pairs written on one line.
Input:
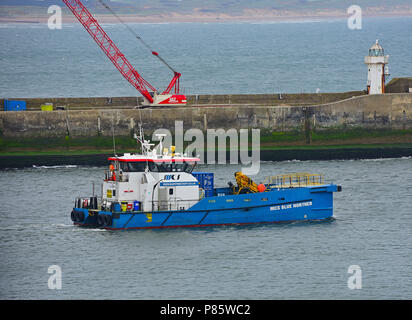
{"points": [[54, 167]]}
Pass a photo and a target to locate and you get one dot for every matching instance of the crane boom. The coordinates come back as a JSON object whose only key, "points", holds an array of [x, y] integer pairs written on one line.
{"points": [[121, 63]]}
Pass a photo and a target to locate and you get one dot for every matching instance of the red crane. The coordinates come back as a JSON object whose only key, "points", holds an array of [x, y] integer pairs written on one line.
{"points": [[150, 95]]}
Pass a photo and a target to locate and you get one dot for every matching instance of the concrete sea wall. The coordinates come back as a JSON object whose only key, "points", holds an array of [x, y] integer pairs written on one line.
{"points": [[399, 85], [388, 111], [223, 99]]}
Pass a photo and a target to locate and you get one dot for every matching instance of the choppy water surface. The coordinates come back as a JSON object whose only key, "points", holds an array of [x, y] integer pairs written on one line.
{"points": [[214, 58], [372, 229]]}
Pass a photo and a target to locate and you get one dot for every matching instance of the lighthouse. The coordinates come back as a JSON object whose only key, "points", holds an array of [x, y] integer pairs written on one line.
{"points": [[377, 69]]}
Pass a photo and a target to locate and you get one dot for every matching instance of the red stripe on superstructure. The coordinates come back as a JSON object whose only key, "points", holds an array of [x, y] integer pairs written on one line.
{"points": [[155, 160]]}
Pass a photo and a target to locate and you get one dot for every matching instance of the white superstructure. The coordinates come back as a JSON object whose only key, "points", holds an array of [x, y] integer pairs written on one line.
{"points": [[157, 179], [377, 69]]}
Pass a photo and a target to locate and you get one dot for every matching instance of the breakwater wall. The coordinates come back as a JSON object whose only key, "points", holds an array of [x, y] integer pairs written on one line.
{"points": [[34, 104], [399, 85], [388, 111]]}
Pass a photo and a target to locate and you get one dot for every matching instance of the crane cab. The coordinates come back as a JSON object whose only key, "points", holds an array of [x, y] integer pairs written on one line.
{"points": [[165, 100]]}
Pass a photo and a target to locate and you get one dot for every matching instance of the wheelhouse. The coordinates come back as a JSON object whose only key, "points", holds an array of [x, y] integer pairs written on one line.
{"points": [[154, 165]]}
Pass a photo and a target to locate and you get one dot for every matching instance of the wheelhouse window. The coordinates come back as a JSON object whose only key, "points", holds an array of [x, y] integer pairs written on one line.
{"points": [[154, 166], [133, 166], [172, 166]]}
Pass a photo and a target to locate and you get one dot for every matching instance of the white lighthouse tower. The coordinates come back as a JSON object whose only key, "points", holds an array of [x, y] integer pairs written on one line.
{"points": [[377, 69]]}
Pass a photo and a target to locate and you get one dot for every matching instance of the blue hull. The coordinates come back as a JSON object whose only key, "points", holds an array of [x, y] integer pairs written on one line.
{"points": [[295, 204]]}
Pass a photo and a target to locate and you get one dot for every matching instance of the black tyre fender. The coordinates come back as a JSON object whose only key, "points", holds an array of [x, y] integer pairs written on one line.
{"points": [[108, 220], [100, 219], [80, 216]]}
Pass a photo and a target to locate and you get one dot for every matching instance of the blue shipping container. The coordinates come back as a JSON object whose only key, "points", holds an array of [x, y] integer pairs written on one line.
{"points": [[206, 182], [14, 105]]}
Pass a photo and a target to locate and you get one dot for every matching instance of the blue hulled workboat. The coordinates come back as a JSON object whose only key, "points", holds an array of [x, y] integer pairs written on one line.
{"points": [[158, 189]]}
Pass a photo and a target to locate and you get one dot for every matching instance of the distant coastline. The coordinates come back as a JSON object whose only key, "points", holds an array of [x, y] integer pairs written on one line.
{"points": [[249, 15]]}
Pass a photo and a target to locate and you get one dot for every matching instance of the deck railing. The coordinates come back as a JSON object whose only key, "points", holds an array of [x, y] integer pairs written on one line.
{"points": [[294, 180]]}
